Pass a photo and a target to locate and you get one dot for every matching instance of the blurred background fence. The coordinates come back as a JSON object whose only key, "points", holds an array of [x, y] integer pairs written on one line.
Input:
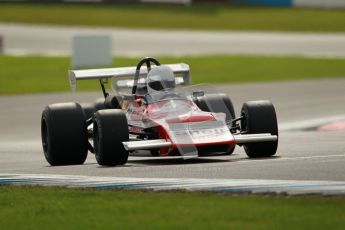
{"points": [[301, 3], [293, 3]]}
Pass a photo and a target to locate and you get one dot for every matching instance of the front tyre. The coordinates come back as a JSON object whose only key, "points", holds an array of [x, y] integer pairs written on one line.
{"points": [[110, 130], [259, 117], [64, 134]]}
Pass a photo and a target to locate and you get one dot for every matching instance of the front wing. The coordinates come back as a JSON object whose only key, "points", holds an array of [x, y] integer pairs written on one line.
{"points": [[161, 143], [195, 134]]}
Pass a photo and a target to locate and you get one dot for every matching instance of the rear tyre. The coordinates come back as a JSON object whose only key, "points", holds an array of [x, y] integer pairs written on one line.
{"points": [[99, 105], [110, 130], [90, 108], [217, 103], [64, 134], [259, 117], [112, 102]]}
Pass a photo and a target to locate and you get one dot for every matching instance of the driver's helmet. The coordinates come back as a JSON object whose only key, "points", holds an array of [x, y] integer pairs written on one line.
{"points": [[160, 78]]}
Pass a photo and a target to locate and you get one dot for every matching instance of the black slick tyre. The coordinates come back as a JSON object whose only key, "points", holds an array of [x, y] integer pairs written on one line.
{"points": [[90, 108], [110, 130], [217, 103], [259, 117], [64, 134], [112, 102], [99, 105]]}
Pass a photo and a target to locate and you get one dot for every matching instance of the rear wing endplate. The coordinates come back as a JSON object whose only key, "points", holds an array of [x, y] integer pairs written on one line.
{"points": [[122, 72]]}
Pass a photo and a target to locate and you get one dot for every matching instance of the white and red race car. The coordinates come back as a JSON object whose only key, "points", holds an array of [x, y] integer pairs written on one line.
{"points": [[158, 115]]}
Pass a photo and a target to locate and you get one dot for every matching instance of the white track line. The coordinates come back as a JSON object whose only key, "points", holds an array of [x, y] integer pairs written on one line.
{"points": [[310, 123], [274, 159], [312, 157], [188, 184]]}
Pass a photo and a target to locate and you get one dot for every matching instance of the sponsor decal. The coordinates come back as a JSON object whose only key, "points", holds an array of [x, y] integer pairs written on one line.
{"points": [[199, 132]]}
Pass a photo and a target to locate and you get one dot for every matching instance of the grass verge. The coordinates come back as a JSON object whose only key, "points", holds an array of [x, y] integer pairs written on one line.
{"points": [[198, 16], [19, 75], [59, 208]]}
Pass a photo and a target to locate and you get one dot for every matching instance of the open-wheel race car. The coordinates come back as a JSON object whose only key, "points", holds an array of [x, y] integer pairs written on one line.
{"points": [[161, 114]]}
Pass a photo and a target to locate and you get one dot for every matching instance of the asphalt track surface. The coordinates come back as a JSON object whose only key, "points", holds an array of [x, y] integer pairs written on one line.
{"points": [[22, 39], [303, 154]]}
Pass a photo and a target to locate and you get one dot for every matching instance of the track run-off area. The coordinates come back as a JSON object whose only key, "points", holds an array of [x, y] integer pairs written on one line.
{"points": [[307, 161], [22, 39]]}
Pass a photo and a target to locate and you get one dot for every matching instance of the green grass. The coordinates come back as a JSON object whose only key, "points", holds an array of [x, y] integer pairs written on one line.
{"points": [[49, 74], [198, 16], [58, 208]]}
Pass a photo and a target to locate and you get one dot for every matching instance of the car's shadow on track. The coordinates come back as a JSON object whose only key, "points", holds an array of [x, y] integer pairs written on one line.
{"points": [[176, 161], [198, 160], [161, 161]]}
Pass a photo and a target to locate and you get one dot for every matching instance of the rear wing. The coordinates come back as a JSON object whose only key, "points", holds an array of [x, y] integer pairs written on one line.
{"points": [[180, 69]]}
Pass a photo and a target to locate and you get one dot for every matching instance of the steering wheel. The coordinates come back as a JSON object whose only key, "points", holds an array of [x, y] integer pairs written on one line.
{"points": [[148, 61]]}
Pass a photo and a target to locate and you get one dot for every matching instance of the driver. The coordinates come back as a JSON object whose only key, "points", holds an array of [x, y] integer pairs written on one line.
{"points": [[160, 84], [160, 78]]}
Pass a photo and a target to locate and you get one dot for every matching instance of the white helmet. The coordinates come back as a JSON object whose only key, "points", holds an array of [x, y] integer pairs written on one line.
{"points": [[160, 78]]}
